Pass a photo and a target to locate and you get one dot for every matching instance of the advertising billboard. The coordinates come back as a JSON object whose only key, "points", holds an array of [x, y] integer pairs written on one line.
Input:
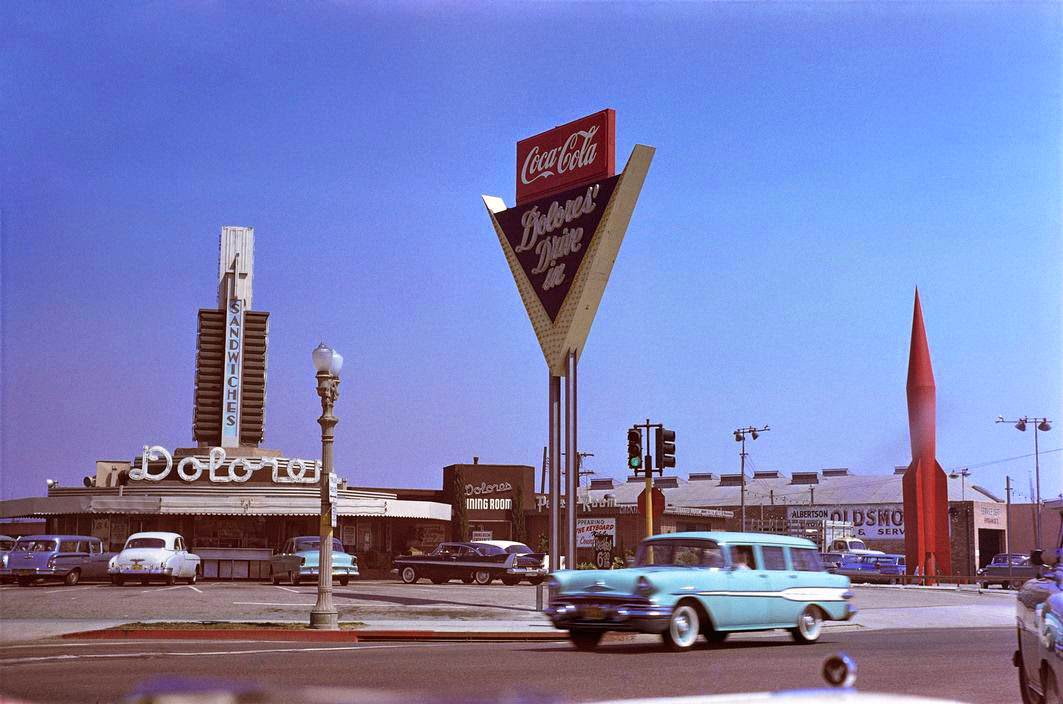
{"points": [[580, 151], [870, 521]]}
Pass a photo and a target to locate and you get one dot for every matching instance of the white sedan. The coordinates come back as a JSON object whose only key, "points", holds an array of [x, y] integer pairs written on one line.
{"points": [[157, 555]]}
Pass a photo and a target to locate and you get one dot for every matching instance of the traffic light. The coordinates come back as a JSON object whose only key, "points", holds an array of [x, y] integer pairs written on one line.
{"points": [[664, 440], [634, 450]]}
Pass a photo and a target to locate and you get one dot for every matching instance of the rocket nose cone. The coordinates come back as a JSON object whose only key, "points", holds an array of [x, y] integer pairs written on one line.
{"points": [[920, 371]]}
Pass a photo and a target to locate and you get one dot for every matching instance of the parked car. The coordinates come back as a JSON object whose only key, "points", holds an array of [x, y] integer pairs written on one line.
{"points": [[69, 558], [299, 559], [857, 567], [154, 556], [516, 548], [1039, 612], [469, 562], [706, 583], [1007, 570], [888, 569], [830, 560], [6, 543]]}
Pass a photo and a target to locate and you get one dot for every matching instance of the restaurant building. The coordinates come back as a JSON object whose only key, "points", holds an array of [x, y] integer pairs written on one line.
{"points": [[233, 500]]}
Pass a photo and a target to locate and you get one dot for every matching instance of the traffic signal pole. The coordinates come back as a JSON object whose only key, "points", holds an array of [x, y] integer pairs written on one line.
{"points": [[647, 468]]}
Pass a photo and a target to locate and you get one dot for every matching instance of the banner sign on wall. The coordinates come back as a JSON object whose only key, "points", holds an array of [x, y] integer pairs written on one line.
{"points": [[587, 527], [577, 152], [550, 236], [870, 521]]}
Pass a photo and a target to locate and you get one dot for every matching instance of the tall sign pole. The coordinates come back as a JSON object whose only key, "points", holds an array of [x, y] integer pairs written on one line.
{"points": [[560, 241]]}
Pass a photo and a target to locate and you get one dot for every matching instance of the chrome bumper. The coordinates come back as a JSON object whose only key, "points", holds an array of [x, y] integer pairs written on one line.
{"points": [[642, 618], [528, 571], [35, 572], [336, 571], [127, 571]]}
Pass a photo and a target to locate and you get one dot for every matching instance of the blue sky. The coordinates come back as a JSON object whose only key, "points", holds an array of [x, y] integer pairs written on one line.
{"points": [[815, 163]]}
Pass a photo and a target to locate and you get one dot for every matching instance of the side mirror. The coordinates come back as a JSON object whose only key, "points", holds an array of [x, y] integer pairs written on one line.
{"points": [[1036, 557]]}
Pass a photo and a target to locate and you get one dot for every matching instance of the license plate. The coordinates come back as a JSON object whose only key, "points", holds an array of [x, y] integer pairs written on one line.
{"points": [[137, 567], [593, 613]]}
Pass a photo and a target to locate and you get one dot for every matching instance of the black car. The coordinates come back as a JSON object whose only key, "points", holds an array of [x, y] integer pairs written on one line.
{"points": [[1007, 570], [469, 562]]}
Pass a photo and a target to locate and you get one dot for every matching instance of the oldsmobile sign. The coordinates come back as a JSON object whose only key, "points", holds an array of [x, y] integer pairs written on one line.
{"points": [[870, 521], [577, 152]]}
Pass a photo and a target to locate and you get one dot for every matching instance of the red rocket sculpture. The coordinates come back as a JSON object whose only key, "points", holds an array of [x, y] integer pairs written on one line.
{"points": [[926, 503]]}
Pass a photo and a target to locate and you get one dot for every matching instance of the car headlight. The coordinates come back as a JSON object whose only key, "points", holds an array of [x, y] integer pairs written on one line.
{"points": [[643, 587]]}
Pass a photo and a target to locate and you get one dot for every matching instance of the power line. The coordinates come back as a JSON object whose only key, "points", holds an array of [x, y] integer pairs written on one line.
{"points": [[1002, 461]]}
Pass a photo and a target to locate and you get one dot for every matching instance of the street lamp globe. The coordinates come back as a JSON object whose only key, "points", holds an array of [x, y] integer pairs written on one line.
{"points": [[1044, 426], [336, 364], [1021, 425], [322, 355]]}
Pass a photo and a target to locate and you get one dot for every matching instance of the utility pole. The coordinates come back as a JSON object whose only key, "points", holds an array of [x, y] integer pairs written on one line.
{"points": [[740, 436], [1007, 521]]}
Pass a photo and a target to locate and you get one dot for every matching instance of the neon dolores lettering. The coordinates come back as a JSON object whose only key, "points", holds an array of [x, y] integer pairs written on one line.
{"points": [[485, 488], [238, 470]]}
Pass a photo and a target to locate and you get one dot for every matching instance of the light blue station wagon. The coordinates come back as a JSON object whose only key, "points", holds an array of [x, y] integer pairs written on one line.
{"points": [[712, 584]]}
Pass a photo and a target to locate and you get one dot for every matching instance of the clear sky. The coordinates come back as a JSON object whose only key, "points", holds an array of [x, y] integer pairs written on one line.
{"points": [[815, 163]]}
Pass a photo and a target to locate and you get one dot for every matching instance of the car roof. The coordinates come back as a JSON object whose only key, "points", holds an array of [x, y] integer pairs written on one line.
{"points": [[499, 543], [57, 536], [729, 537], [310, 537], [154, 534]]}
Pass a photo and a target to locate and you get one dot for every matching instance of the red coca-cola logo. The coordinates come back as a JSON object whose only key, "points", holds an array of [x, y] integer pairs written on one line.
{"points": [[581, 151]]}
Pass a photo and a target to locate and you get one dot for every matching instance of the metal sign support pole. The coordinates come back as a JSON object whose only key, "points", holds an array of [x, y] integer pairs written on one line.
{"points": [[555, 472], [571, 458]]}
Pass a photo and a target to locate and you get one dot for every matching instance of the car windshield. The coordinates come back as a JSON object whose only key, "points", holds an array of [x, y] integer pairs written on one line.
{"points": [[307, 544], [36, 545], [519, 549], [679, 553], [857, 545]]}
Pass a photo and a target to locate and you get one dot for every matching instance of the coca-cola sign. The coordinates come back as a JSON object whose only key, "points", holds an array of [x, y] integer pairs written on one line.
{"points": [[550, 236], [581, 151]]}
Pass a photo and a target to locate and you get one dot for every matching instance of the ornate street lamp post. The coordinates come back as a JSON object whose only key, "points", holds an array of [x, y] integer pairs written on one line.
{"points": [[328, 363]]}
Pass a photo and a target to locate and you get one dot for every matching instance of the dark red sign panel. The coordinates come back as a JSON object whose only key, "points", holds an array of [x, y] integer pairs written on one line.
{"points": [[550, 236], [581, 151]]}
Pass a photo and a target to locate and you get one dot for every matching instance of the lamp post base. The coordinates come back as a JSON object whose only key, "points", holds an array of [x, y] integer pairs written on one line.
{"points": [[325, 620]]}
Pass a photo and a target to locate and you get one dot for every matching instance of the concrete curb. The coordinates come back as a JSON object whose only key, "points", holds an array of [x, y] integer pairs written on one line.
{"points": [[287, 634], [939, 588]]}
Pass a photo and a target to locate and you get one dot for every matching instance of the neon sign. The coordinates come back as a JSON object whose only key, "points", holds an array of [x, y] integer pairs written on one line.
{"points": [[238, 469]]}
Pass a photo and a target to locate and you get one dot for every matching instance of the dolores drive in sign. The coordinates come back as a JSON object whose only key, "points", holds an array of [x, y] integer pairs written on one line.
{"points": [[870, 521]]}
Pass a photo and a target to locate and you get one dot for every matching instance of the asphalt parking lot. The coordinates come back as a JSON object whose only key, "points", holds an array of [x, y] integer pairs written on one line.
{"points": [[390, 600], [360, 600]]}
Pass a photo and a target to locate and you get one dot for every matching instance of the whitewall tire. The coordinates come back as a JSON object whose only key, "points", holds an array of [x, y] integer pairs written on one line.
{"points": [[683, 628]]}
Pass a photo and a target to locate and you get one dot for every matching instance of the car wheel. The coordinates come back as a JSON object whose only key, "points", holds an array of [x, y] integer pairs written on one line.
{"points": [[510, 582], [408, 575], [295, 578], [275, 578], [170, 580], [482, 577], [683, 628], [809, 626], [585, 640], [194, 578], [344, 581], [535, 580], [1050, 686], [24, 581], [72, 577]]}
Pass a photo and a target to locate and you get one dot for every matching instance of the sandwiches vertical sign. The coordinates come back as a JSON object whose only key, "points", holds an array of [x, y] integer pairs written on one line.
{"points": [[233, 366]]}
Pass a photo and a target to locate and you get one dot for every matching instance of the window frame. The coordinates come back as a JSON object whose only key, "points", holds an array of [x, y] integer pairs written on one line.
{"points": [[783, 554]]}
